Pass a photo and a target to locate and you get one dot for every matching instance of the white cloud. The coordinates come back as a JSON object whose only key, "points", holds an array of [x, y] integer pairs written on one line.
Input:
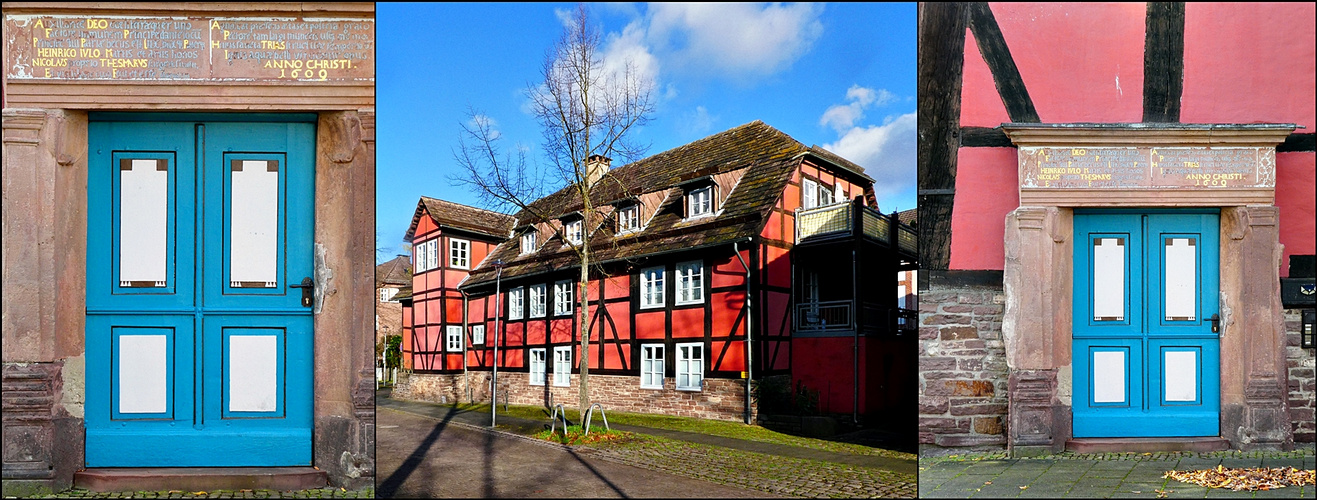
{"points": [[732, 39], [698, 121], [843, 116], [887, 152], [628, 47], [480, 121]]}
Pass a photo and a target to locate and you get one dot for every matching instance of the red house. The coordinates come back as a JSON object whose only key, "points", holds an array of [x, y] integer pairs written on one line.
{"points": [[684, 237], [1116, 226]]}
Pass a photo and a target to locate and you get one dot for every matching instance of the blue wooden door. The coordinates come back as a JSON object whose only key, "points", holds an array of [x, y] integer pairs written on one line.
{"points": [[198, 351], [1145, 353]]}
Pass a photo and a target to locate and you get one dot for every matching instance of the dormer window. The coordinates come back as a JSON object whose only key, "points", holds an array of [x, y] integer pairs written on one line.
{"points": [[815, 194], [529, 242], [699, 202], [572, 230], [628, 219]]}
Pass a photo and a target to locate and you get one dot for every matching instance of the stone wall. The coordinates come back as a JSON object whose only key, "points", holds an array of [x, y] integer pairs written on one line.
{"points": [[962, 368], [721, 399], [1300, 363]]}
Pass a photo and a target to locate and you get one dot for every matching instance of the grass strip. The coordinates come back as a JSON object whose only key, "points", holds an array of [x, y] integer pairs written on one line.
{"points": [[735, 430]]}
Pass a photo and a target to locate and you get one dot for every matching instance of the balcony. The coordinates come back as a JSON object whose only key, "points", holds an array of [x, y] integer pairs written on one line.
{"points": [[839, 221], [839, 315]]}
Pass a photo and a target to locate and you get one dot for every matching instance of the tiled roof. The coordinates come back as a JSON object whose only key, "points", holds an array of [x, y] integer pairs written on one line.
{"points": [[394, 272], [767, 155], [463, 217], [404, 294], [908, 217]]}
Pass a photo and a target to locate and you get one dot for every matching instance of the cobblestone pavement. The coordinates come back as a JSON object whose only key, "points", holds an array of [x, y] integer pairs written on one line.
{"points": [[1101, 475], [774, 474], [316, 493]]}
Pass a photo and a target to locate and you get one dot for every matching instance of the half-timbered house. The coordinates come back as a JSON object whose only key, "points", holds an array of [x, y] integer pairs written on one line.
{"points": [[684, 237]]}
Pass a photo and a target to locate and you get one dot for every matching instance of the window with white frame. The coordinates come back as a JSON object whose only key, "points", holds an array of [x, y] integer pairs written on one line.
{"points": [[386, 294], [815, 194], [529, 241], [453, 339], [699, 202], [431, 260], [573, 231], [562, 366], [562, 298], [514, 303], [628, 219], [425, 259], [690, 366], [651, 366], [537, 301], [651, 287], [477, 334], [690, 282], [459, 253], [537, 367]]}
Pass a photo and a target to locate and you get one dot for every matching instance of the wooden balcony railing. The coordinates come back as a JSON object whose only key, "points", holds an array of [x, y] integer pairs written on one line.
{"points": [[839, 220], [839, 315]]}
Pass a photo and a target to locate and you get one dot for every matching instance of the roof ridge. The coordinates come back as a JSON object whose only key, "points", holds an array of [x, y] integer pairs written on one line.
{"points": [[486, 210]]}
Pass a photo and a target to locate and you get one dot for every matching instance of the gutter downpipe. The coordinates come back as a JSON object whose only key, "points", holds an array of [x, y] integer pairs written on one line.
{"points": [[466, 379], [498, 316], [748, 302]]}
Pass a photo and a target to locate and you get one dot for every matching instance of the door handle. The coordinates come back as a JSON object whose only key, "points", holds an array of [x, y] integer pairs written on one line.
{"points": [[309, 288], [1216, 323]]}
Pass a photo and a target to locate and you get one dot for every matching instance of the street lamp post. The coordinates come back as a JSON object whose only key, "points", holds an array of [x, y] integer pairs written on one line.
{"points": [[498, 315]]}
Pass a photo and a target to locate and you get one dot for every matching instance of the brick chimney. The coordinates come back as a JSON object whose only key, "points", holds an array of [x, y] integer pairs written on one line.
{"points": [[595, 168]]}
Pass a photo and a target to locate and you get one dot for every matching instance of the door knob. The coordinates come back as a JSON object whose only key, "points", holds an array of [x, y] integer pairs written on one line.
{"points": [[309, 288], [1216, 323]]}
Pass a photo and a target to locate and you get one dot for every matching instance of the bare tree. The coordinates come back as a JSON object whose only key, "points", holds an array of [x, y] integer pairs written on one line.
{"points": [[586, 109]]}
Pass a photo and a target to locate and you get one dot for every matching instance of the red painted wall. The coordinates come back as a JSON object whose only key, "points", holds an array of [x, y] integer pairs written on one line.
{"points": [[987, 189], [1243, 63], [1067, 81]]}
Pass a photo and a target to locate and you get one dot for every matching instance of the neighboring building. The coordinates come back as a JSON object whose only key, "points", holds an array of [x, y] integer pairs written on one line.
{"points": [[907, 296], [188, 203], [686, 236], [1111, 197], [390, 278]]}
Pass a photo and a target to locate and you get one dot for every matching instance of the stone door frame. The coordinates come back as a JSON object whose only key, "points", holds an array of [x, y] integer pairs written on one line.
{"points": [[1036, 326]]}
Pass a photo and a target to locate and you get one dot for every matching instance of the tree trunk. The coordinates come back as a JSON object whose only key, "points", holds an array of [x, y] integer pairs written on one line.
{"points": [[583, 297]]}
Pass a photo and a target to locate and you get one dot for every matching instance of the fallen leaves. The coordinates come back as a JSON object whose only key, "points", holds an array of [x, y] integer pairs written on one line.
{"points": [[1251, 479]]}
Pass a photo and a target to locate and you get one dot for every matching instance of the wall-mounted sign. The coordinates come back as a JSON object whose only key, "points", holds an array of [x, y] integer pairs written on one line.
{"points": [[1147, 167], [174, 49]]}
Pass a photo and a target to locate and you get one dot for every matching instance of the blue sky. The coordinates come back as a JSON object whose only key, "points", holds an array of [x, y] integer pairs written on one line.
{"points": [[841, 76]]}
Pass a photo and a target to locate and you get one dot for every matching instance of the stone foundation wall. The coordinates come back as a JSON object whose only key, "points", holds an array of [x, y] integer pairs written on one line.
{"points": [[1300, 363], [962, 367], [721, 399]]}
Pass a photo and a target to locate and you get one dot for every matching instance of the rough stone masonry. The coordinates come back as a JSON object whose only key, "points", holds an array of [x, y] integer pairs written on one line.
{"points": [[962, 367]]}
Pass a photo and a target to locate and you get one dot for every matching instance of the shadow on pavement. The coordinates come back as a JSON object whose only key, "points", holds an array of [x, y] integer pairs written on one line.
{"points": [[390, 485]]}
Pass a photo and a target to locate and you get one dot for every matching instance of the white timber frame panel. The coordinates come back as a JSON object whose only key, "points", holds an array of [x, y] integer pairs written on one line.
{"points": [[143, 373], [143, 222], [1109, 279], [1109, 377], [1181, 279], [253, 373], [254, 224], [1180, 369]]}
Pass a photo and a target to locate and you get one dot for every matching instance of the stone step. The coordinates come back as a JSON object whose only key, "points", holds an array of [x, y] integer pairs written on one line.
{"points": [[192, 479], [1146, 445]]}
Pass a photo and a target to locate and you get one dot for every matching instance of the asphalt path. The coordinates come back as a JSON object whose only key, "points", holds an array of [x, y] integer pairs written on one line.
{"points": [[420, 457]]}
